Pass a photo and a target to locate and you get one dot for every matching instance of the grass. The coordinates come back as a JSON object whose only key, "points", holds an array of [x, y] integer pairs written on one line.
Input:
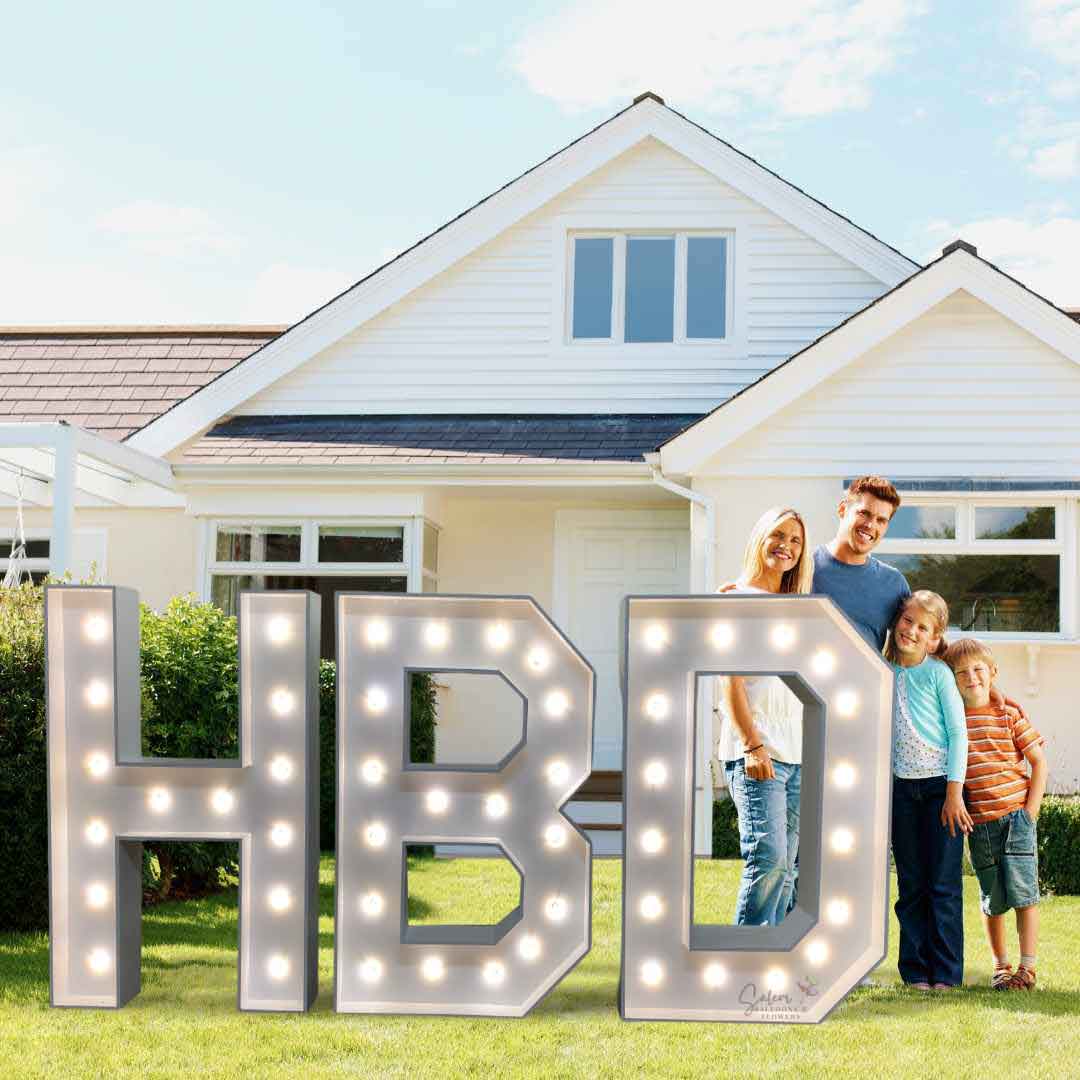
{"points": [[185, 1023]]}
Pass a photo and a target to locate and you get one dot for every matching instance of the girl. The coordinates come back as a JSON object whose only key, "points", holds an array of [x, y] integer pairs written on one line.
{"points": [[761, 734], [929, 819]]}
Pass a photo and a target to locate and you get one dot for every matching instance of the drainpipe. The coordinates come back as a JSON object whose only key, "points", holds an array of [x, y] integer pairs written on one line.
{"points": [[708, 504]]}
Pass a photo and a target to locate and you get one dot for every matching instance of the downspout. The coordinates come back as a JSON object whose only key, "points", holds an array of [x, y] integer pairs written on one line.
{"points": [[708, 504]]}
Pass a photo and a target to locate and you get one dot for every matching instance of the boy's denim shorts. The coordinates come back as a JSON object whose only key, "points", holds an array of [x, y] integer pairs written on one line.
{"points": [[1005, 856]]}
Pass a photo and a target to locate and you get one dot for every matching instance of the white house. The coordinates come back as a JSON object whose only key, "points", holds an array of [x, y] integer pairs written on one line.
{"points": [[588, 384]]}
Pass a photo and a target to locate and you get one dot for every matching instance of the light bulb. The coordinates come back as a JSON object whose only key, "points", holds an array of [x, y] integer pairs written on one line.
{"points": [[97, 764], [557, 704], [95, 628], [433, 968], [556, 908], [494, 973], [99, 961], [838, 912], [376, 632], [651, 906], [281, 768], [281, 834], [652, 973], [558, 773], [652, 840], [222, 800], [97, 694], [278, 966], [436, 635], [279, 629], [498, 636], [783, 636], [375, 834], [496, 805], [280, 898], [373, 770], [538, 658], [776, 980], [844, 774], [282, 702], [438, 801], [97, 895], [159, 799], [371, 904], [846, 702], [555, 836], [722, 635], [371, 969], [714, 976], [817, 952], [655, 636], [657, 706], [529, 947], [376, 699], [96, 831], [842, 841], [823, 662], [655, 774]]}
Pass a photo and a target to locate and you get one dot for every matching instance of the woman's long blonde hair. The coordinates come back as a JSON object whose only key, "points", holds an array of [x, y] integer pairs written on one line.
{"points": [[935, 607], [799, 578]]}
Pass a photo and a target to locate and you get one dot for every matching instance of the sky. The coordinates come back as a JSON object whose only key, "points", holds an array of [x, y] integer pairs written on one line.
{"points": [[243, 162]]}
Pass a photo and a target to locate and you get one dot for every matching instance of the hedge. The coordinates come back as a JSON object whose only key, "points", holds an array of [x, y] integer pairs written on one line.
{"points": [[190, 709]]}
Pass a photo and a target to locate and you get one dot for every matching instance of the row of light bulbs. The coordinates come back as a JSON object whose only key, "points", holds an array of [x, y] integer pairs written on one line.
{"points": [[375, 833]]}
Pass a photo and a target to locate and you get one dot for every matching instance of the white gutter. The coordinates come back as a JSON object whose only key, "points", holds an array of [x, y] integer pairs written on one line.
{"points": [[708, 504]]}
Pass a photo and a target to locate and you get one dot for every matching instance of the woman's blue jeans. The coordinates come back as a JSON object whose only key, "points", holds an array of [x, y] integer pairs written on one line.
{"points": [[769, 839]]}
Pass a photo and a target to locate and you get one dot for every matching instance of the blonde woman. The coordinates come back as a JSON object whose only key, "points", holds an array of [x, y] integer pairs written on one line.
{"points": [[760, 740]]}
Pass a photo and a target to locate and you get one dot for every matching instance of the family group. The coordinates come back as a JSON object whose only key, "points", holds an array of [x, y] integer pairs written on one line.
{"points": [[959, 749]]}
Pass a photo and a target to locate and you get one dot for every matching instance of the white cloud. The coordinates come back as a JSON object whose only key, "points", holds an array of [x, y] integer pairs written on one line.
{"points": [[1055, 27], [285, 292], [1058, 161], [1044, 255], [800, 57], [159, 228]]}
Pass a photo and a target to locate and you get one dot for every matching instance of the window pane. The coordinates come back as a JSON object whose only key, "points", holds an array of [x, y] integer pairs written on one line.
{"points": [[594, 260], [650, 288], [258, 543], [225, 590], [990, 592], [923, 523], [706, 286], [1014, 522], [431, 548], [361, 543], [35, 548]]}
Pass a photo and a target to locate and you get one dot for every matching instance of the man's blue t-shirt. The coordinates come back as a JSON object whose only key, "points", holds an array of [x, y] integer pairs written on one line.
{"points": [[868, 594]]}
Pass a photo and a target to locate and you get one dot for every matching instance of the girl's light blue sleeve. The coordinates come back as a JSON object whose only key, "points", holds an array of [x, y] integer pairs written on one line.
{"points": [[952, 711]]}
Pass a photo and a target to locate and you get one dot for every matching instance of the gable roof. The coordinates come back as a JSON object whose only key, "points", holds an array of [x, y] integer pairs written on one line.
{"points": [[647, 117], [959, 267]]}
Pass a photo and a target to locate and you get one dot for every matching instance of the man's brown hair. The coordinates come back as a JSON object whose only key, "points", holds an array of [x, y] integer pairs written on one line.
{"points": [[877, 486]]}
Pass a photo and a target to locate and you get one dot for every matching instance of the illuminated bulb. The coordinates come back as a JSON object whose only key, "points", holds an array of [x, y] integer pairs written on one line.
{"points": [[375, 834], [371, 904], [97, 764], [714, 976], [657, 706], [652, 973], [846, 702], [436, 634], [776, 980], [495, 806], [823, 662], [557, 704], [655, 636], [652, 840], [433, 969], [529, 947], [96, 831], [376, 699], [655, 774], [281, 768], [222, 800], [498, 636], [844, 774], [438, 801], [538, 658], [97, 895], [278, 967], [722, 635], [371, 970], [558, 773], [97, 694], [159, 799], [842, 841], [279, 898], [838, 912], [99, 961], [783, 636], [282, 702], [651, 906], [373, 770], [494, 973], [817, 952], [95, 628], [281, 834], [555, 836], [279, 630], [376, 632], [556, 908]]}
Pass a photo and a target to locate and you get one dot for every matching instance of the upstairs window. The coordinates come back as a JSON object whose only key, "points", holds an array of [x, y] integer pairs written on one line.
{"points": [[650, 287]]}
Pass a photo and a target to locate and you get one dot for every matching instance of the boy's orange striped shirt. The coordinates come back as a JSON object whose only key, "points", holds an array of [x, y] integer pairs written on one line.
{"points": [[997, 778]]}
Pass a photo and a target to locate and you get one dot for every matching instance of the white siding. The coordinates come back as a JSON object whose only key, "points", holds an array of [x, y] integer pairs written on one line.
{"points": [[961, 391], [485, 335]]}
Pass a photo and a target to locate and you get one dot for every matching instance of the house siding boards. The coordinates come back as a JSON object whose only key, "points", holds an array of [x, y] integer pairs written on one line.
{"points": [[485, 336]]}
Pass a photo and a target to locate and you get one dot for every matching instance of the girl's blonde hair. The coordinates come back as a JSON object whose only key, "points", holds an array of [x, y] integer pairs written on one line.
{"points": [[938, 611], [800, 577]]}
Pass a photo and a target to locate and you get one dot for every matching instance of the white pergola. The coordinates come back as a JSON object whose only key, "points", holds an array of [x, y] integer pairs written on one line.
{"points": [[57, 465]]}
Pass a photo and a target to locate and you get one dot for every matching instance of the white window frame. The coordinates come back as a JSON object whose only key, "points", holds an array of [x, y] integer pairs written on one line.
{"points": [[1064, 545], [618, 291]]}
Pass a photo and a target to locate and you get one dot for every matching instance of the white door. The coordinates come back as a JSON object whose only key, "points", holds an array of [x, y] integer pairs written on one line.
{"points": [[602, 556]]}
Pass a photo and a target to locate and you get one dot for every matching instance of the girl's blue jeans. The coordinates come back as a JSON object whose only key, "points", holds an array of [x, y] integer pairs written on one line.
{"points": [[769, 839]]}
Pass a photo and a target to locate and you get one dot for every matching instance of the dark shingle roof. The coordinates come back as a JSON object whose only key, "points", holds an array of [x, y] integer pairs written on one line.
{"points": [[113, 379], [431, 440]]}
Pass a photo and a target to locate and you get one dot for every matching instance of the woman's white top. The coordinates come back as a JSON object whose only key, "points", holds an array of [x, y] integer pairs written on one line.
{"points": [[776, 710]]}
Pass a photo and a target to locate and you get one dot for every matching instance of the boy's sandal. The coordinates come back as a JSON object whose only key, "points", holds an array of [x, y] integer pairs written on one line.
{"points": [[1023, 979], [1002, 977]]}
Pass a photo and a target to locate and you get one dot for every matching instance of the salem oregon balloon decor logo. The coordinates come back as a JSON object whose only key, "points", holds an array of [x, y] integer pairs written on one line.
{"points": [[105, 799]]}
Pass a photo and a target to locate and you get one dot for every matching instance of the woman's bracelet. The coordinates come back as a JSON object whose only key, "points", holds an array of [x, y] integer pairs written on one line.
{"points": [[751, 749]]}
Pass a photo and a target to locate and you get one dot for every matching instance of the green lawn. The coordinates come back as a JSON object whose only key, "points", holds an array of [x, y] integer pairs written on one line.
{"points": [[185, 1023]]}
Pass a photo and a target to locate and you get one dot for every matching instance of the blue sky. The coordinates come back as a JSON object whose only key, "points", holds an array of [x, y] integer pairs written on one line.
{"points": [[242, 162]]}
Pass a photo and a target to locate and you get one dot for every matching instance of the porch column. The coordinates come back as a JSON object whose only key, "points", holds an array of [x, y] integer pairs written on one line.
{"points": [[702, 558], [63, 501]]}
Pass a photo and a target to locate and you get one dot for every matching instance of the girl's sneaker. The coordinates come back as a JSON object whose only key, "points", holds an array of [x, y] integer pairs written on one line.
{"points": [[1002, 976], [1023, 979]]}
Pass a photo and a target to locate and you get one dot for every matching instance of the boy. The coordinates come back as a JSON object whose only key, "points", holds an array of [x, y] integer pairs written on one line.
{"points": [[1004, 802]]}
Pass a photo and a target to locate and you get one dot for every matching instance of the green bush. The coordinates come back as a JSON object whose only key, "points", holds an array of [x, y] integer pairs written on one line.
{"points": [[725, 830], [1059, 846]]}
